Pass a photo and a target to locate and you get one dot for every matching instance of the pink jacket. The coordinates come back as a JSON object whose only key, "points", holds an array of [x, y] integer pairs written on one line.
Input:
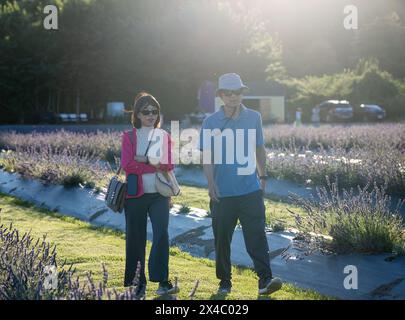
{"points": [[130, 166]]}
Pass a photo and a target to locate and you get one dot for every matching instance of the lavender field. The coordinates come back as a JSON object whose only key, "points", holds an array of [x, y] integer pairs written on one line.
{"points": [[352, 155], [337, 136], [368, 159]]}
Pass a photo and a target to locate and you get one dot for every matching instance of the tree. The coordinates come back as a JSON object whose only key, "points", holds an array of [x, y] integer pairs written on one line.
{"points": [[383, 39]]}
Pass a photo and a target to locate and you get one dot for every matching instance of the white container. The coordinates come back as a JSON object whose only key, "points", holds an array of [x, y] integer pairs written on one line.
{"points": [[115, 109]]}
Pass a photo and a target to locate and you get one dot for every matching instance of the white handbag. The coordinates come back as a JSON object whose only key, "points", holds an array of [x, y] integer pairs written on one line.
{"points": [[166, 184]]}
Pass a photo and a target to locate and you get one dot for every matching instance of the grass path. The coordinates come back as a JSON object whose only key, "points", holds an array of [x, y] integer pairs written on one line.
{"points": [[87, 247]]}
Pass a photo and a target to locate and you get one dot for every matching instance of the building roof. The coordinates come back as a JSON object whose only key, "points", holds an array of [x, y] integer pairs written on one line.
{"points": [[265, 88]]}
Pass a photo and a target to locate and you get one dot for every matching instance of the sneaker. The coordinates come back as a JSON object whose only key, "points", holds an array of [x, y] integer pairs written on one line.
{"points": [[140, 291], [270, 285], [166, 287], [225, 286]]}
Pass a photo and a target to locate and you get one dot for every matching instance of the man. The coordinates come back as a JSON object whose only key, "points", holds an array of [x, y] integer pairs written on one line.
{"points": [[236, 191]]}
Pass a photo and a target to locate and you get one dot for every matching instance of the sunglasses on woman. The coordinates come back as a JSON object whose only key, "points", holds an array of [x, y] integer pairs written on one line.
{"points": [[148, 112], [229, 93]]}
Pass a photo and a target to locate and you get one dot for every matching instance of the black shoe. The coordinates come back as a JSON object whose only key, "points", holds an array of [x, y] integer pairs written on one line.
{"points": [[140, 291], [269, 285], [225, 286], [166, 287]]}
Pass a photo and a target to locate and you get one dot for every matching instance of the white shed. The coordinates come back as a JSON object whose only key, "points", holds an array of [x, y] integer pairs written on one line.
{"points": [[266, 97]]}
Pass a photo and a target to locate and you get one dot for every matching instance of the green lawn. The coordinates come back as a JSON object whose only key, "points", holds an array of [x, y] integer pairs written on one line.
{"points": [[276, 211], [87, 247]]}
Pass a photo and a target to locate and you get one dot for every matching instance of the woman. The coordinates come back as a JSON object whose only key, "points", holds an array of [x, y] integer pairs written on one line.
{"points": [[142, 198]]}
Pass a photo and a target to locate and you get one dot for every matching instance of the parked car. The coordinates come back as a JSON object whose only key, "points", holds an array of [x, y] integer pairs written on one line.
{"points": [[334, 110], [369, 112], [72, 117], [83, 117]]}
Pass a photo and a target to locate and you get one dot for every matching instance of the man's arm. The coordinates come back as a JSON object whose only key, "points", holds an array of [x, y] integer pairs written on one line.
{"points": [[209, 174], [208, 168], [260, 152], [261, 160], [261, 165]]}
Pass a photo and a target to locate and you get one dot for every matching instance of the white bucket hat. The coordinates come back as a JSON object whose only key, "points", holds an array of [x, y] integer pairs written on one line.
{"points": [[230, 81]]}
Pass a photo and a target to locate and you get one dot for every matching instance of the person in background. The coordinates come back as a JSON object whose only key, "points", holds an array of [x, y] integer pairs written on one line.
{"points": [[298, 115], [315, 118]]}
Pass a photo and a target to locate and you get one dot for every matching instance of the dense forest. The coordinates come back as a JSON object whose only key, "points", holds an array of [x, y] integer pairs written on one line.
{"points": [[108, 50]]}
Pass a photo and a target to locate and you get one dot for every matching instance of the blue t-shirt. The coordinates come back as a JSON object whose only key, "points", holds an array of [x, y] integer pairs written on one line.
{"points": [[233, 143]]}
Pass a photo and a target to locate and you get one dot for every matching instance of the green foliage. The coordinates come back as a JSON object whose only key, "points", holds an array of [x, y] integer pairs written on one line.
{"points": [[184, 208], [355, 221], [277, 226], [383, 38], [367, 83], [269, 47], [108, 50]]}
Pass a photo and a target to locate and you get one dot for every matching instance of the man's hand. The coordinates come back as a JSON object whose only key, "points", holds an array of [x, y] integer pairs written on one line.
{"points": [[209, 174], [263, 185], [261, 166], [213, 192]]}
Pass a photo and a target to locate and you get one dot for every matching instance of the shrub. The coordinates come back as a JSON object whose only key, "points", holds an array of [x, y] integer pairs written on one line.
{"points": [[23, 267], [184, 208], [351, 222], [101, 145], [277, 226], [24, 273], [68, 168], [380, 163], [99, 291]]}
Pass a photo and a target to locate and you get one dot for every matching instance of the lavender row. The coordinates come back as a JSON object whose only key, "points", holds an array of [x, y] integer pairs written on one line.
{"points": [[384, 135], [30, 270], [353, 154], [352, 168]]}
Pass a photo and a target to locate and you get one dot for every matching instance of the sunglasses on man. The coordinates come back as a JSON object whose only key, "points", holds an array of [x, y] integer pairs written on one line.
{"points": [[148, 112], [229, 93]]}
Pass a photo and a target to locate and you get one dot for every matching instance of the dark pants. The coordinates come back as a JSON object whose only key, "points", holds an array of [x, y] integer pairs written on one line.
{"points": [[136, 213], [250, 211]]}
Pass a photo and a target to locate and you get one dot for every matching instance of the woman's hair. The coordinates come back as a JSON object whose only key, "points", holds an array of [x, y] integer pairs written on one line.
{"points": [[142, 100]]}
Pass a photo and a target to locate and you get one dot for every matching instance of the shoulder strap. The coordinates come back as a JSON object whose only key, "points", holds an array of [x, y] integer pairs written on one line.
{"points": [[131, 136], [150, 141]]}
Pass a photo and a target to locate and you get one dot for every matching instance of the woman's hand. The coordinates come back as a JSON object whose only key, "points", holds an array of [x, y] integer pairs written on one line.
{"points": [[154, 162], [151, 161], [142, 159]]}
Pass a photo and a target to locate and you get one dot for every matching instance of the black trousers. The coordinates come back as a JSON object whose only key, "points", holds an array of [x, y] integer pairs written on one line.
{"points": [[136, 213], [250, 211]]}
